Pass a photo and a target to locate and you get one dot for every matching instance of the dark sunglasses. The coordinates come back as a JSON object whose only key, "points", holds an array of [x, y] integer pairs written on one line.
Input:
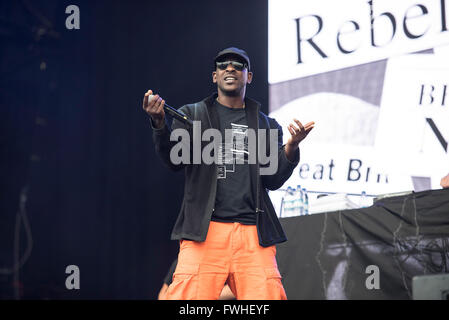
{"points": [[237, 65]]}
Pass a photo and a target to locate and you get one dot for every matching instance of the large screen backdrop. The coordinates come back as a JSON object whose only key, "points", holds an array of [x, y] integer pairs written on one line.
{"points": [[373, 75]]}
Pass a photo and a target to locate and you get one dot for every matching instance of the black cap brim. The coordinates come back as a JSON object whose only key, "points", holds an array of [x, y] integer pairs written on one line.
{"points": [[232, 51]]}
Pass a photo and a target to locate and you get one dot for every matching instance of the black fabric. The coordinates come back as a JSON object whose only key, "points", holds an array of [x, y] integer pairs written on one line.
{"points": [[169, 276], [327, 254], [201, 182], [234, 201]]}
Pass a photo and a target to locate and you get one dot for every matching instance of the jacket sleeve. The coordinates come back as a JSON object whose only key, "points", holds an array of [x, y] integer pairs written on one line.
{"points": [[162, 142], [285, 166]]}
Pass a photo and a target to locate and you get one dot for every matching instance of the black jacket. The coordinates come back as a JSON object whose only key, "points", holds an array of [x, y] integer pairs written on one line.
{"points": [[201, 179]]}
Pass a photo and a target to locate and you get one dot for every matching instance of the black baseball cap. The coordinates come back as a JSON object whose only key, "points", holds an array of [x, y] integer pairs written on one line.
{"points": [[234, 51]]}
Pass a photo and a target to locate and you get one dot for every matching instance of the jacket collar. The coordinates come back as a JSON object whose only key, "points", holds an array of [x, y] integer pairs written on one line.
{"points": [[249, 103], [252, 108]]}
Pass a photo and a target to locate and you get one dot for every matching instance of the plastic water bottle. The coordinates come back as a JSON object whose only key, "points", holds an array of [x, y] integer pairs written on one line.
{"points": [[297, 208], [363, 199], [306, 201], [300, 197], [282, 210], [292, 203], [287, 202]]}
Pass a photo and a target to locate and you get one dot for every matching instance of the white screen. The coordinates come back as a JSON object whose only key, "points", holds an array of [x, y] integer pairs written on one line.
{"points": [[374, 77]]}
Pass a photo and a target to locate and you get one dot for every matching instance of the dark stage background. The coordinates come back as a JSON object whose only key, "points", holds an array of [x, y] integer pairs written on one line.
{"points": [[76, 145]]}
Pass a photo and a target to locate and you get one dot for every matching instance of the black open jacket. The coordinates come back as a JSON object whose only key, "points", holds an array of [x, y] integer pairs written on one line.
{"points": [[201, 179]]}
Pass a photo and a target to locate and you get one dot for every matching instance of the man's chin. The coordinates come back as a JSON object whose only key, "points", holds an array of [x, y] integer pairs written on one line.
{"points": [[231, 93]]}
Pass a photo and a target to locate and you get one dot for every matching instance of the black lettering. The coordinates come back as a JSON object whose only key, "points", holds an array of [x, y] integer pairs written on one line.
{"points": [[354, 170], [422, 94], [331, 166], [443, 99], [380, 176], [367, 174], [437, 133], [319, 172], [443, 16], [303, 168], [407, 32], [386, 14], [310, 40], [356, 27]]}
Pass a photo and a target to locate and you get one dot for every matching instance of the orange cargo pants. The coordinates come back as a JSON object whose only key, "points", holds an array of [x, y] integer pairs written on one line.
{"points": [[232, 254]]}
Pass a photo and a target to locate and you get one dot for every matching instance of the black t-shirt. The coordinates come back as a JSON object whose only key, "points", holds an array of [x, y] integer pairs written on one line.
{"points": [[234, 200]]}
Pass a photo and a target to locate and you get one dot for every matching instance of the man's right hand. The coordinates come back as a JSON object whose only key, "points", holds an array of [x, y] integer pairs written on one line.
{"points": [[155, 108]]}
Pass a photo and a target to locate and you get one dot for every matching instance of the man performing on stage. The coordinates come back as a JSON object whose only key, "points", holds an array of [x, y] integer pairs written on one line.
{"points": [[227, 225]]}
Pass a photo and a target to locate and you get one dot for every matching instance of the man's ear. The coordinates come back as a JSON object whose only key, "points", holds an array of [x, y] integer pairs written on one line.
{"points": [[214, 76], [250, 77]]}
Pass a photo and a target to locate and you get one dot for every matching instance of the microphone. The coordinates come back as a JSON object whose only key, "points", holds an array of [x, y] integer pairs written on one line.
{"points": [[174, 113]]}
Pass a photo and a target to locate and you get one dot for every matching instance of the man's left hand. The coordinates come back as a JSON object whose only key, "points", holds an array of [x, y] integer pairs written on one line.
{"points": [[298, 133]]}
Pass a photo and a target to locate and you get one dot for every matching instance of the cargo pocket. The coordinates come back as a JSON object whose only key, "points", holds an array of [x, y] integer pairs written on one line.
{"points": [[275, 289], [185, 283]]}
